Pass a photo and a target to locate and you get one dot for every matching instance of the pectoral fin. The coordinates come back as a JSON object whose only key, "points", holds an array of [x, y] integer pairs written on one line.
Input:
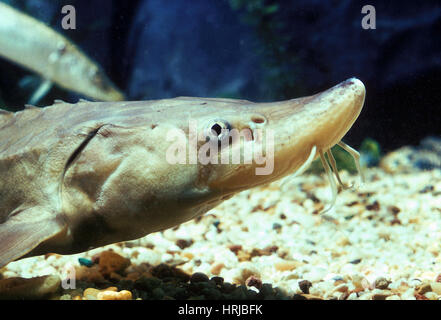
{"points": [[18, 236]]}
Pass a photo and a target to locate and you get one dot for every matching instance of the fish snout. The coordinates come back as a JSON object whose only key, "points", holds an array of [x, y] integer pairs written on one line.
{"points": [[334, 111]]}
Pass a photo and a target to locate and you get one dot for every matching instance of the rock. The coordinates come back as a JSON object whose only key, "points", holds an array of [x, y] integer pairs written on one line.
{"points": [[91, 293], [164, 271], [253, 281], [381, 283], [304, 285], [216, 269], [198, 277], [85, 262], [423, 288], [218, 280], [33, 288], [184, 243], [112, 295], [359, 281], [381, 295], [110, 262], [342, 288], [311, 297], [431, 295], [287, 265], [91, 274]]}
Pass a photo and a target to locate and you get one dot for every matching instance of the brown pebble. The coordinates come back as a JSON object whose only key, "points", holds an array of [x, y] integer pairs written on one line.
{"points": [[420, 297], [216, 269], [382, 296], [183, 243], [253, 281], [395, 210], [263, 252], [287, 265], [91, 274], [423, 288], [110, 262], [29, 288], [374, 206], [353, 203], [342, 288], [381, 283], [311, 297], [235, 248], [304, 285]]}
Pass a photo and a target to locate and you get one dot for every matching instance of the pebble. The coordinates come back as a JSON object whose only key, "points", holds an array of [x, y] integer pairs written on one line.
{"points": [[112, 295], [198, 277], [304, 285], [33, 288], [423, 288], [91, 293], [253, 281], [381, 294], [431, 295], [111, 262], [287, 265], [217, 268], [91, 274], [85, 262], [342, 288], [359, 281], [381, 283], [394, 251]]}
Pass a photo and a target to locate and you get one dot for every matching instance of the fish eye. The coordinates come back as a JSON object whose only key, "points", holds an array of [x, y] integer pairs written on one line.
{"points": [[217, 129]]}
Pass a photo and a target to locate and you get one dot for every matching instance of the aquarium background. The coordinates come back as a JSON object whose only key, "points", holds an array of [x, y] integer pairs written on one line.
{"points": [[261, 51]]}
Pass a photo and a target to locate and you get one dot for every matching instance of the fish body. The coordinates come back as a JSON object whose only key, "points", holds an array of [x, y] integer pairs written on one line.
{"points": [[35, 46], [79, 176]]}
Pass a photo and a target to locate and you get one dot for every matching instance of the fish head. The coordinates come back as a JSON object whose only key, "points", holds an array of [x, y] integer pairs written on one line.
{"points": [[276, 138], [161, 163]]}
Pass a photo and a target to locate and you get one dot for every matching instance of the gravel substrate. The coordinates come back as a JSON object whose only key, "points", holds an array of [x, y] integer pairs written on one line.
{"points": [[380, 241]]}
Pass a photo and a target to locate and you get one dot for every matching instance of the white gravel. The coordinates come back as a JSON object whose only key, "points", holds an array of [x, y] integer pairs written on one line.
{"points": [[383, 228]]}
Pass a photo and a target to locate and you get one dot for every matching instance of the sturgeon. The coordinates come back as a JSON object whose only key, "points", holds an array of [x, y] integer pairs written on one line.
{"points": [[35, 46], [80, 176]]}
